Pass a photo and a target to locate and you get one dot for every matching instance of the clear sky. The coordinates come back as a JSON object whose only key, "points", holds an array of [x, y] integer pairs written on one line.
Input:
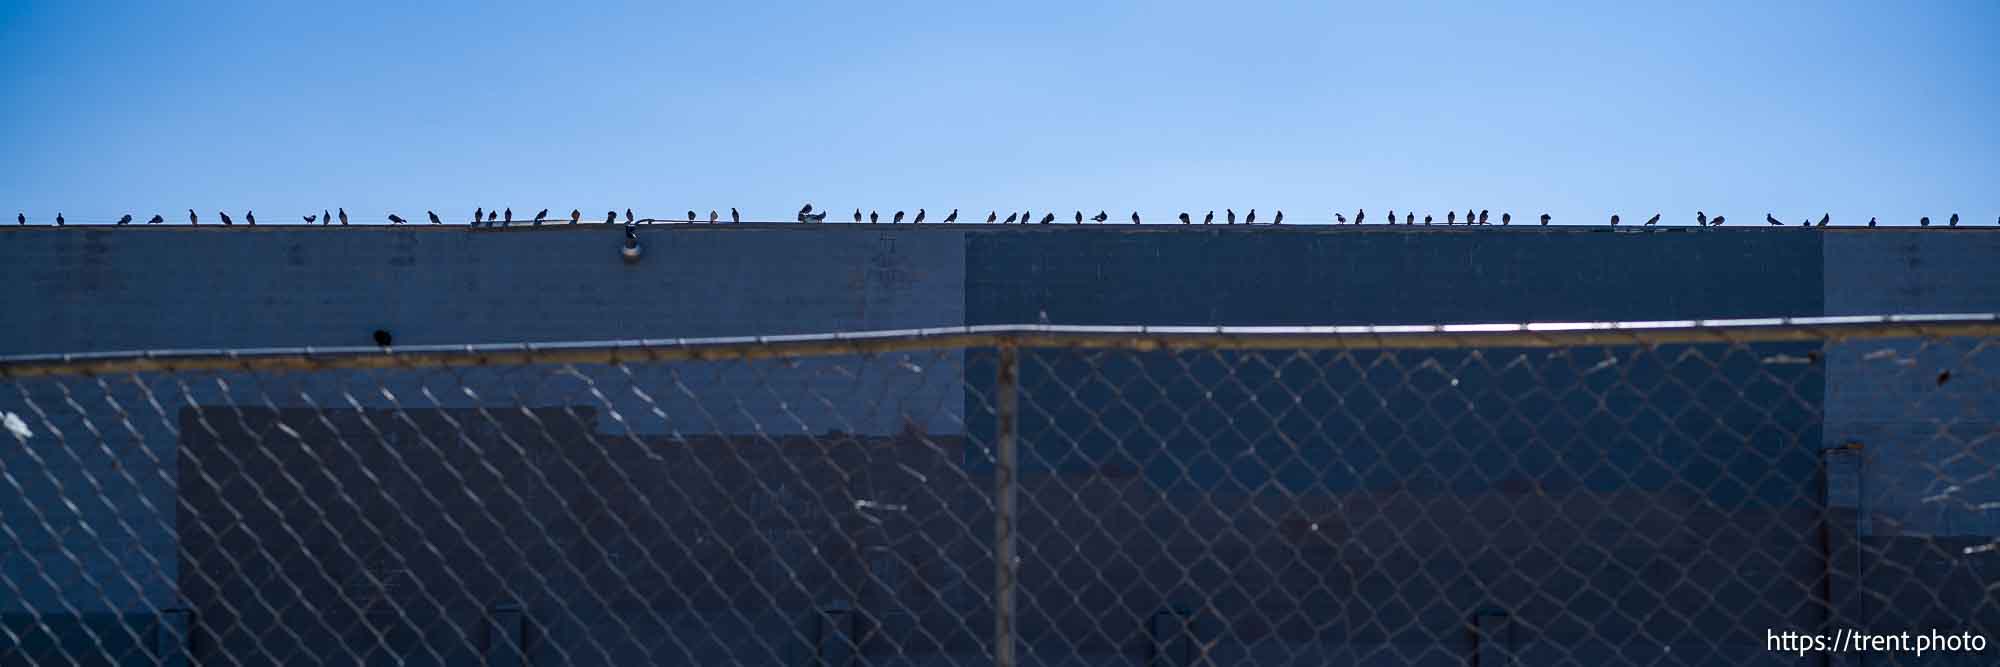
{"points": [[1861, 109]]}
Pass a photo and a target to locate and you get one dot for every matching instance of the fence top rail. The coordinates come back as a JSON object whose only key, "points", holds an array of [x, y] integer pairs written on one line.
{"points": [[1136, 338]]}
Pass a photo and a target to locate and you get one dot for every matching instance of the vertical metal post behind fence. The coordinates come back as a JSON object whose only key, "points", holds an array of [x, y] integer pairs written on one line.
{"points": [[1004, 470]]}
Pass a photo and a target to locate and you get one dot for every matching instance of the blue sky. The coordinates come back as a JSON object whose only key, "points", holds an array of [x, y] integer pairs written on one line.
{"points": [[1858, 109]]}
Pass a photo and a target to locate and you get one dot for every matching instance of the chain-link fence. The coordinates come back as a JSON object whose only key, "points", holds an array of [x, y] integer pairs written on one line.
{"points": [[1664, 493]]}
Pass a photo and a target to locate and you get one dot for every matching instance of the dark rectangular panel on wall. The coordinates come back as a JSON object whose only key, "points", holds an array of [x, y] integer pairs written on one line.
{"points": [[1325, 276], [394, 535]]}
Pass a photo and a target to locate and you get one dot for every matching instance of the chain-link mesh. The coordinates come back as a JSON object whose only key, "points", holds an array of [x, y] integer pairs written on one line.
{"points": [[1630, 496]]}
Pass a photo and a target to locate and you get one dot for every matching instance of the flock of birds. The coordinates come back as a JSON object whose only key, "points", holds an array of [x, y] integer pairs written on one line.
{"points": [[505, 218]]}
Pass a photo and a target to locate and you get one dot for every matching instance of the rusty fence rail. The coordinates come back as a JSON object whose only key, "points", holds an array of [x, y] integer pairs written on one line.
{"points": [[1685, 492]]}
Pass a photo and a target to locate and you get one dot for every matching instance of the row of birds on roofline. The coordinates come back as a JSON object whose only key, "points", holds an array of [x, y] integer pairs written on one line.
{"points": [[482, 217]]}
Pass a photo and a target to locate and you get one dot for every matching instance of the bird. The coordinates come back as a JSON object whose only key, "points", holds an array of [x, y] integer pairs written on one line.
{"points": [[1653, 220], [1184, 218], [1717, 222], [992, 215], [508, 219], [1871, 222], [1482, 216], [1010, 219], [1209, 219], [1701, 218], [1026, 216], [1427, 219], [250, 217], [396, 219], [817, 217], [492, 216], [1772, 219], [125, 220], [712, 216], [1048, 218], [874, 217], [1409, 218], [1135, 217], [950, 218], [897, 219], [225, 218], [611, 217], [1954, 219], [59, 220], [1359, 214], [542, 215], [1251, 218], [1926, 221], [478, 214], [575, 216], [435, 221], [1614, 220], [1232, 215], [20, 218], [857, 215], [628, 216], [1545, 219], [196, 220], [1101, 216], [309, 218], [919, 218], [1825, 218], [614, 215], [157, 220], [805, 210], [1506, 218], [1279, 219], [734, 217], [1338, 218], [1451, 217], [1079, 217], [343, 216]]}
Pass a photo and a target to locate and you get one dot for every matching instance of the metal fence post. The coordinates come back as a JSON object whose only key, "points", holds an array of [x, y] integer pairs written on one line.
{"points": [[171, 638], [1494, 646], [1839, 534], [505, 643], [1004, 470]]}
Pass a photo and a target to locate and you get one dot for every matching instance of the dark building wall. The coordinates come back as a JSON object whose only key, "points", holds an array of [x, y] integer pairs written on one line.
{"points": [[1911, 429], [74, 290], [71, 290]]}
